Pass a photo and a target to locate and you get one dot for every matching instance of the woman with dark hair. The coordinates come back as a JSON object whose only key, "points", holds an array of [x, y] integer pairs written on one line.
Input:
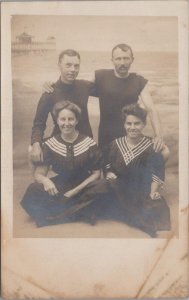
{"points": [[75, 159], [135, 174]]}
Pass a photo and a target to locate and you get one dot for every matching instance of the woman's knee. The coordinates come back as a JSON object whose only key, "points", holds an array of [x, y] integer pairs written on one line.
{"points": [[34, 189]]}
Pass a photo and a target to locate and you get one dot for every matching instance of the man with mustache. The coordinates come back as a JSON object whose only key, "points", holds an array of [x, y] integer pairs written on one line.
{"points": [[117, 88]]}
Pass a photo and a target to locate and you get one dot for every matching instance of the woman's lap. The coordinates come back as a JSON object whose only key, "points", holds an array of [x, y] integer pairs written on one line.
{"points": [[97, 201], [40, 205]]}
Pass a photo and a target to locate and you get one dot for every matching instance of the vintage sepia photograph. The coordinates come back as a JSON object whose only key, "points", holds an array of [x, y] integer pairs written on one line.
{"points": [[94, 135], [95, 99]]}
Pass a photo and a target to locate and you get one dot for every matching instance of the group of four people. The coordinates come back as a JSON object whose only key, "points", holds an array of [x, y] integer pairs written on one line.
{"points": [[133, 164]]}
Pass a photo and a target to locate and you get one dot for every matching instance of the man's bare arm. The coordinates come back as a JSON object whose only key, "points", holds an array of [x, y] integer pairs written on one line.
{"points": [[154, 118]]}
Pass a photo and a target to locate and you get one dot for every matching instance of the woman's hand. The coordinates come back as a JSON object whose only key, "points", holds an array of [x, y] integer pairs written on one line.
{"points": [[155, 195], [47, 87], [111, 175], [50, 187]]}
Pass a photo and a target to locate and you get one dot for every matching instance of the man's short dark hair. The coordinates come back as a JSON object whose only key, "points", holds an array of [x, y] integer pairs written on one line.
{"points": [[69, 52], [123, 47]]}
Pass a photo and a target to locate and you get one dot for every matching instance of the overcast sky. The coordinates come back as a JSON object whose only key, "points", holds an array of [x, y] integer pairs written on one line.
{"points": [[101, 32]]}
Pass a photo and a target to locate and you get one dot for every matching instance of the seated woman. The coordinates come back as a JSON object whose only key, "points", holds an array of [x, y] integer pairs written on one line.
{"points": [[135, 174], [76, 161]]}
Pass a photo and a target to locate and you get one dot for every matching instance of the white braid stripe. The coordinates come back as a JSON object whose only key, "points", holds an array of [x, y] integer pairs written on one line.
{"points": [[86, 140], [84, 149], [85, 143], [157, 179], [141, 144], [56, 150], [56, 144], [83, 146], [128, 153], [125, 151], [139, 151]]}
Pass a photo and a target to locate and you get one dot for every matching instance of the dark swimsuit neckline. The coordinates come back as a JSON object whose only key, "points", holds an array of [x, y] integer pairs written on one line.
{"points": [[122, 78], [62, 84], [68, 143]]}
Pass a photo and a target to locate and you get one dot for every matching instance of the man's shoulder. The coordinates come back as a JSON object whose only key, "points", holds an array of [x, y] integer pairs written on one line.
{"points": [[56, 84], [77, 82], [137, 76], [83, 83], [45, 97], [102, 75]]}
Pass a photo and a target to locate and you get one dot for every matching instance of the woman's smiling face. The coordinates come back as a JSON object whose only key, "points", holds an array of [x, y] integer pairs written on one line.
{"points": [[134, 126], [67, 121]]}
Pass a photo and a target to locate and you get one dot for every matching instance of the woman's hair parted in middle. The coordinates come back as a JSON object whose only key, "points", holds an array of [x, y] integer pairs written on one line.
{"points": [[134, 110], [66, 104]]}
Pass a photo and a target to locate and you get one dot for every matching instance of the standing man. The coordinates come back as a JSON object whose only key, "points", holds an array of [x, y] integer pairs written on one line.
{"points": [[116, 88], [66, 88]]}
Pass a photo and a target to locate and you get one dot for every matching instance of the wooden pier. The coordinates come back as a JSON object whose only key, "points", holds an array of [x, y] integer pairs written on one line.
{"points": [[24, 44]]}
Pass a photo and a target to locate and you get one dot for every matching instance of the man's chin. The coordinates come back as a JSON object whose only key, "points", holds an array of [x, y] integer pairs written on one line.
{"points": [[123, 73], [71, 79]]}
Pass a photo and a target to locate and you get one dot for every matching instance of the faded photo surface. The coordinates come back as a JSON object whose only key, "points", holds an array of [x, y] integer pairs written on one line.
{"points": [[97, 249], [35, 51]]}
